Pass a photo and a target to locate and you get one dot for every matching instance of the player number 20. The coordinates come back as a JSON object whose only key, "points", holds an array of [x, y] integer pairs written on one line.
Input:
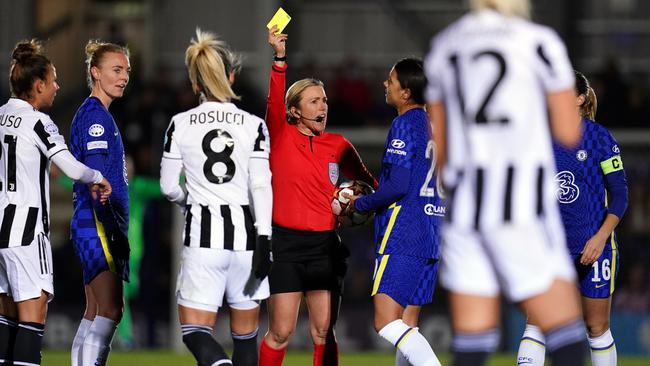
{"points": [[425, 190], [601, 269]]}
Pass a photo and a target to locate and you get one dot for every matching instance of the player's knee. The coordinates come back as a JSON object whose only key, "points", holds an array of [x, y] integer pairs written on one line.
{"points": [[281, 336], [113, 312], [381, 321], [319, 333], [597, 328]]}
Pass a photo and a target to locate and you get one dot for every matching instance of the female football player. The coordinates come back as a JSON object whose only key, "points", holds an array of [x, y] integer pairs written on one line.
{"points": [[224, 152], [99, 232], [592, 191], [30, 140], [497, 82], [308, 257], [407, 224]]}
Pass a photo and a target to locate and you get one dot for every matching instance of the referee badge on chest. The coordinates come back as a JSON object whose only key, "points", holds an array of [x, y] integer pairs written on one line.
{"points": [[333, 172]]}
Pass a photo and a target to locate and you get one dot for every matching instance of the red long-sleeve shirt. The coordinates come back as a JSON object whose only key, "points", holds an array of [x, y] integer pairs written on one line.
{"points": [[305, 168]]}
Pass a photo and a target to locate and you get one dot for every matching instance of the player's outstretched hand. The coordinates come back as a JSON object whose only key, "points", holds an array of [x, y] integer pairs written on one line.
{"points": [[349, 209], [103, 188], [592, 250], [262, 257], [278, 41]]}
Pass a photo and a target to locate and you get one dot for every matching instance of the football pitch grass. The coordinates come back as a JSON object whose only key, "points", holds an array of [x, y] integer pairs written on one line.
{"points": [[294, 358]]}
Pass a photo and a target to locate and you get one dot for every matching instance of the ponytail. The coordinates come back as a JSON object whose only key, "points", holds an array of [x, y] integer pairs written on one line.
{"points": [[209, 63], [28, 64]]}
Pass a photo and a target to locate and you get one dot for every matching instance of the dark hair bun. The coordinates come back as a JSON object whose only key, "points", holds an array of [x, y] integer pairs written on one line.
{"points": [[26, 49]]}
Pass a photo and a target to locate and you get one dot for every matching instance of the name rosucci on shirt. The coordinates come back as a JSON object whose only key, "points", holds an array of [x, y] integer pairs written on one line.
{"points": [[217, 116]]}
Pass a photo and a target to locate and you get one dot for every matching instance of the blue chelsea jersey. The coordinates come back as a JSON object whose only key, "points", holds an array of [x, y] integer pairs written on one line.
{"points": [[411, 226], [94, 131], [581, 183]]}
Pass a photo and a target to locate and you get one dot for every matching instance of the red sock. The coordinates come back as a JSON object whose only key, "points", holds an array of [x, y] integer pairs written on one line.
{"points": [[319, 353], [326, 354], [270, 356]]}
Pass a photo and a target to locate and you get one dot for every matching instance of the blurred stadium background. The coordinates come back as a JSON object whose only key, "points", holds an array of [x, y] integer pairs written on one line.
{"points": [[350, 45]]}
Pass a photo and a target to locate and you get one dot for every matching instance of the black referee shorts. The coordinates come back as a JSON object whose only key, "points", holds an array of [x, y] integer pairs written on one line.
{"points": [[307, 261]]}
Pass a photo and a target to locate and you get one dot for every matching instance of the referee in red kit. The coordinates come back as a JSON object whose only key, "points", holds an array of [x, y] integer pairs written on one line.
{"points": [[308, 257]]}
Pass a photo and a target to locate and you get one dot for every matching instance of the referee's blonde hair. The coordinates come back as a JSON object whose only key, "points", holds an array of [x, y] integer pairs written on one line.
{"points": [[294, 96], [209, 63], [509, 8]]}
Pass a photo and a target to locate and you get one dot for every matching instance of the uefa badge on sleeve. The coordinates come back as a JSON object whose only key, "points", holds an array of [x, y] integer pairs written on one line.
{"points": [[333, 172]]}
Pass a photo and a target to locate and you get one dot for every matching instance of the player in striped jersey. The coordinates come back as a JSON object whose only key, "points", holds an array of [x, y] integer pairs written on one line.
{"points": [[409, 213], [224, 152], [592, 192], [496, 83], [99, 232], [30, 141]]}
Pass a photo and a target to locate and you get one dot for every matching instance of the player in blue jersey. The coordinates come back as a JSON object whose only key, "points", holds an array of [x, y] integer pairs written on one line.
{"points": [[99, 232], [592, 192], [409, 210]]}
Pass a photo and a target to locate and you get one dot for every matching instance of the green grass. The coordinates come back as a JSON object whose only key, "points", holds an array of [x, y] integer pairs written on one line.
{"points": [[166, 358]]}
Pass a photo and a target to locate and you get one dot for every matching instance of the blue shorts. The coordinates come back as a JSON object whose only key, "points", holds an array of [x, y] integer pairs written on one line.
{"points": [[598, 279], [407, 280], [95, 257]]}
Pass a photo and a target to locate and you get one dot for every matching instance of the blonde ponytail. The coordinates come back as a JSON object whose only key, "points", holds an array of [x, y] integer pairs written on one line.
{"points": [[209, 63], [509, 8]]}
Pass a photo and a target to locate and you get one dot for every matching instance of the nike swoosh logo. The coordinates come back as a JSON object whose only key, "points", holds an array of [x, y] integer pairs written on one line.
{"points": [[116, 133], [599, 286], [524, 363]]}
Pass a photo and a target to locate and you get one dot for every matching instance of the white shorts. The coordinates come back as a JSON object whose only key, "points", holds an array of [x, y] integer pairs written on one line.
{"points": [[206, 275], [25, 271], [519, 261]]}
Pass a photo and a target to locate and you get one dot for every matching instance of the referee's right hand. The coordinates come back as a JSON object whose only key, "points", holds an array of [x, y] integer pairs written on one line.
{"points": [[262, 257]]}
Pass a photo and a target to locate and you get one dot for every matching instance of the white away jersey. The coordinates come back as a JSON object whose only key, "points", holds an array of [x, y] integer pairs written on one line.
{"points": [[29, 139], [215, 142], [493, 74]]}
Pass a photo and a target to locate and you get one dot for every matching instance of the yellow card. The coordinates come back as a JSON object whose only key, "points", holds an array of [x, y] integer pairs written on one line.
{"points": [[281, 19]]}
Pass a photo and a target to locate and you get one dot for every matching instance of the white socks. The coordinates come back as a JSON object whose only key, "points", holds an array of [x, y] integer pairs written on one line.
{"points": [[532, 348], [410, 343], [97, 343], [400, 359], [603, 350], [78, 341]]}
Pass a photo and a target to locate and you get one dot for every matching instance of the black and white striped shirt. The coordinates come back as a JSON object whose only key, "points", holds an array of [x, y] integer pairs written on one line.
{"points": [[493, 74], [29, 139], [223, 152]]}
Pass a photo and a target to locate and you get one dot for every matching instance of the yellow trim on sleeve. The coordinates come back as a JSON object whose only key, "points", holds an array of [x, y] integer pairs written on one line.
{"points": [[611, 165], [389, 228], [380, 272], [612, 277], [104, 240]]}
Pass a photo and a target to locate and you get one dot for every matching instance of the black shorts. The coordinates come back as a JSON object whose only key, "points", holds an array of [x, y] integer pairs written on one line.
{"points": [[306, 261]]}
